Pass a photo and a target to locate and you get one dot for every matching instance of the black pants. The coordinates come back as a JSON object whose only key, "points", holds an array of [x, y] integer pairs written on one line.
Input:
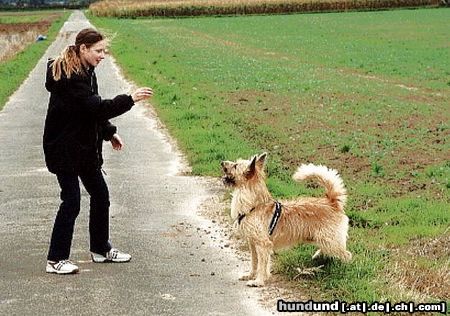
{"points": [[70, 208]]}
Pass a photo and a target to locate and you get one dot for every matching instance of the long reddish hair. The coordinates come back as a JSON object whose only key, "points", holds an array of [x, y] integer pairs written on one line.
{"points": [[69, 61]]}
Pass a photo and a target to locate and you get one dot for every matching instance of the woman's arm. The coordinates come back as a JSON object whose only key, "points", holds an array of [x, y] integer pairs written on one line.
{"points": [[79, 97]]}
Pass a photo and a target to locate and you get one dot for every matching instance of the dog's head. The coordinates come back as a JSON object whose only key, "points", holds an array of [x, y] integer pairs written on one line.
{"points": [[240, 172]]}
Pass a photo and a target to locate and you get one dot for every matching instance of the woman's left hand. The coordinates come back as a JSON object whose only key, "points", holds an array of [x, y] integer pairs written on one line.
{"points": [[116, 142]]}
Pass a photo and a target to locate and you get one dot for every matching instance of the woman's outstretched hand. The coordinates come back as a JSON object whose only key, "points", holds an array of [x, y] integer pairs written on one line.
{"points": [[141, 94]]}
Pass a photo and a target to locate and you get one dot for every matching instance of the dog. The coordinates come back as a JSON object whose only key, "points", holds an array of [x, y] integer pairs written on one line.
{"points": [[268, 224]]}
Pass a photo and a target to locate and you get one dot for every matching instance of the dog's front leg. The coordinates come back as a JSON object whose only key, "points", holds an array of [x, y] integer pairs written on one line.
{"points": [[263, 269], [252, 274]]}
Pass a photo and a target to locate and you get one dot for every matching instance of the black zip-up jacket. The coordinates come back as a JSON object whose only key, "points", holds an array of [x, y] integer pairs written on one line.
{"points": [[77, 122]]}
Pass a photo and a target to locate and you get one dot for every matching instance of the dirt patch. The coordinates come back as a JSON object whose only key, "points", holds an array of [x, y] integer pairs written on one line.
{"points": [[15, 37], [431, 248], [420, 283], [13, 28], [12, 44], [417, 280]]}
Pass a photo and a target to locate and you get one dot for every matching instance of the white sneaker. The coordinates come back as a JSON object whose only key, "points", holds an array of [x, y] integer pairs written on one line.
{"points": [[113, 255], [61, 267]]}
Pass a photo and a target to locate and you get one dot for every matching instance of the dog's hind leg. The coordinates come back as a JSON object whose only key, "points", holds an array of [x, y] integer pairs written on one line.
{"points": [[252, 274], [344, 255], [339, 245], [336, 249]]}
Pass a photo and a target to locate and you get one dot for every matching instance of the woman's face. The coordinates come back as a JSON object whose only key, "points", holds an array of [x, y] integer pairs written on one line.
{"points": [[93, 55]]}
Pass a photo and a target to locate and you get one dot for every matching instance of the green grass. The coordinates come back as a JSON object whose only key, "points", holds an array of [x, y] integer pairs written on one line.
{"points": [[363, 92], [16, 69], [336, 279]]}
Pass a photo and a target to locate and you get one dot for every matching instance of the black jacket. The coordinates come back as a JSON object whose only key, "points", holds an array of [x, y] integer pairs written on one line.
{"points": [[77, 122]]}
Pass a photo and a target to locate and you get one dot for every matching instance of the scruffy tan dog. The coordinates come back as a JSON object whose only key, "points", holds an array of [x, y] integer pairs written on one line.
{"points": [[268, 224]]}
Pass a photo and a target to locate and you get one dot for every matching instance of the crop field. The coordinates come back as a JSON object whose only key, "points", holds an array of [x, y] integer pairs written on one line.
{"points": [[176, 8], [366, 93], [19, 50]]}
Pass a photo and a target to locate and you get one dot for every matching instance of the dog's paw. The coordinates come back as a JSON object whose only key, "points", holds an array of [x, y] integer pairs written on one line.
{"points": [[247, 277], [255, 283]]}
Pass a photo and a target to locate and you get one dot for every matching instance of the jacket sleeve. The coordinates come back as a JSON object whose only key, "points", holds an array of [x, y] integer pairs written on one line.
{"points": [[107, 130], [50, 83], [79, 96]]}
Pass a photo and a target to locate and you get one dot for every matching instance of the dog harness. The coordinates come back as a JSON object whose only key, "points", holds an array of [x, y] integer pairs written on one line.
{"points": [[241, 216], [275, 217], [273, 221]]}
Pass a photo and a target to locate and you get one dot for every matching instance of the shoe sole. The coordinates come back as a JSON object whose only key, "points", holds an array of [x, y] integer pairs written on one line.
{"points": [[47, 270], [109, 260]]}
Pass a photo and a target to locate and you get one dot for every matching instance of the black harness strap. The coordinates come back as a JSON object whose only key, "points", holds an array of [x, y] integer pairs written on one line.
{"points": [[274, 220], [241, 216], [275, 217]]}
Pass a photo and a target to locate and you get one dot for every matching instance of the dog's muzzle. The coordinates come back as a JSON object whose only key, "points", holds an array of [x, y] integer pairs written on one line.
{"points": [[228, 181]]}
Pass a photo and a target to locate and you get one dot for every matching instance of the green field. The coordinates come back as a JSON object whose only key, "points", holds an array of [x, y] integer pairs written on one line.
{"points": [[366, 93]]}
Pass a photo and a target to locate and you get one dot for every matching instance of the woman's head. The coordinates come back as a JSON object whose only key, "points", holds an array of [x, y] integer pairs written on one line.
{"points": [[91, 47], [89, 50]]}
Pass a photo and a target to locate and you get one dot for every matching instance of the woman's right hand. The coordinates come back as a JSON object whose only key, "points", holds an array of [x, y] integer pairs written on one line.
{"points": [[142, 94]]}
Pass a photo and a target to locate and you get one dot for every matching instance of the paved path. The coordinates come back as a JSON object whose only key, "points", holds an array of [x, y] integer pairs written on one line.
{"points": [[176, 269]]}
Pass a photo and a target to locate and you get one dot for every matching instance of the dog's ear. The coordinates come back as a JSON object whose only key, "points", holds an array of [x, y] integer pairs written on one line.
{"points": [[261, 161], [251, 169]]}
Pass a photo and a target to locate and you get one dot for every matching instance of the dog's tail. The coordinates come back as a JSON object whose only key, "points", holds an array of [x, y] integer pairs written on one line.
{"points": [[328, 178]]}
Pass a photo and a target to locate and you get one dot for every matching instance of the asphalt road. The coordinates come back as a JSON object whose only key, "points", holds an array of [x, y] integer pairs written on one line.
{"points": [[177, 268]]}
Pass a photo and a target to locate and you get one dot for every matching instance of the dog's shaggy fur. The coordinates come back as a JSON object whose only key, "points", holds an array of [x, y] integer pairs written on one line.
{"points": [[318, 221]]}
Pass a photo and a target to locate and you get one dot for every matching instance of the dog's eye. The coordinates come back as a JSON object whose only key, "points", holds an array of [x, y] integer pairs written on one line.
{"points": [[235, 166]]}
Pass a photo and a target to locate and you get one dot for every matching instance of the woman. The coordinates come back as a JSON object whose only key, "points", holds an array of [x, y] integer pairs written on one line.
{"points": [[75, 127]]}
